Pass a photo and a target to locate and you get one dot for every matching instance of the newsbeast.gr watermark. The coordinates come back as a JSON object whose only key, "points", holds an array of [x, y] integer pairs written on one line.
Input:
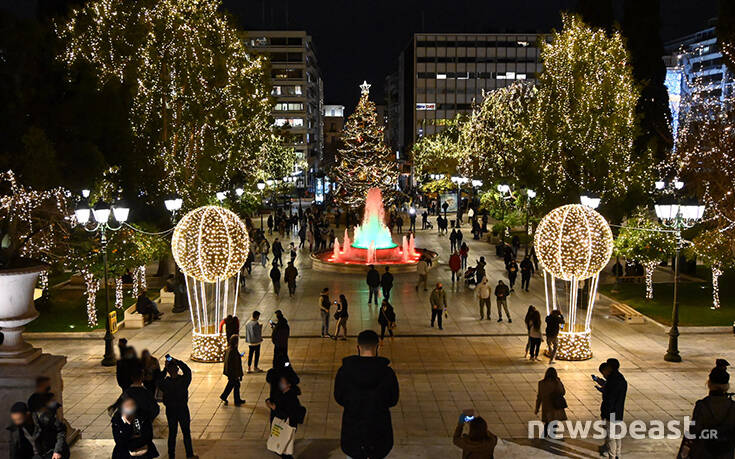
{"points": [[600, 430]]}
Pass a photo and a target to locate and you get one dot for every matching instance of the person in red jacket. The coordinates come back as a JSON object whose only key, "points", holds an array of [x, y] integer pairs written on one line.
{"points": [[455, 264]]}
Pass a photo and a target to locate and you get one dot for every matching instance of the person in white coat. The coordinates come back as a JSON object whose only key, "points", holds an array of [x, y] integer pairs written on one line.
{"points": [[483, 292]]}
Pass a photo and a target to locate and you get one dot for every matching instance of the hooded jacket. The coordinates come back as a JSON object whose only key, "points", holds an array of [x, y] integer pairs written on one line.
{"points": [[367, 388]]}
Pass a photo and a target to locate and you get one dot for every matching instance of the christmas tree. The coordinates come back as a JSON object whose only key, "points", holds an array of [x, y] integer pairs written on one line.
{"points": [[365, 161]]}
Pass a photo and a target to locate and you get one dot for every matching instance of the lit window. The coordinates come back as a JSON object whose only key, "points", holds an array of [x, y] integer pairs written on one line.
{"points": [[286, 122], [520, 76], [276, 91], [441, 76]]}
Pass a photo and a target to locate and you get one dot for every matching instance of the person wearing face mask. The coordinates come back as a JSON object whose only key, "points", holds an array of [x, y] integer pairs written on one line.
{"points": [[144, 398], [133, 433], [366, 387], [285, 404], [36, 435]]}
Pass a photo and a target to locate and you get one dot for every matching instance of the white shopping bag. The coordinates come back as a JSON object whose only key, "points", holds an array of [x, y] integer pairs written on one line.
{"points": [[282, 436]]}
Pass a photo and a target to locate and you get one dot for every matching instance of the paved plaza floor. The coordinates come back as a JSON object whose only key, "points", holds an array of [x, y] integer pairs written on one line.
{"points": [[470, 364]]}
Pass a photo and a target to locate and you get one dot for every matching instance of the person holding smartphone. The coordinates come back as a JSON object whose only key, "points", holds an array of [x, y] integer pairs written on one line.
{"points": [[480, 442], [174, 386], [133, 433]]}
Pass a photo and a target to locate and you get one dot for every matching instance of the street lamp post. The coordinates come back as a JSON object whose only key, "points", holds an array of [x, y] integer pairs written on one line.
{"points": [[173, 205], [261, 187], [101, 215], [677, 217], [459, 181]]}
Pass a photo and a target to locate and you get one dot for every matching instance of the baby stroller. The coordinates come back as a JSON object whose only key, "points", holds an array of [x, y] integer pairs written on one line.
{"points": [[429, 225], [469, 276]]}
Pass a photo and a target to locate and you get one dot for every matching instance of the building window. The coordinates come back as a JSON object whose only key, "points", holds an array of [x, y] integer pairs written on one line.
{"points": [[277, 74], [289, 106], [289, 122]]}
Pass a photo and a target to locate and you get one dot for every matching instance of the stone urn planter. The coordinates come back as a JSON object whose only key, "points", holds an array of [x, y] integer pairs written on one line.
{"points": [[16, 310]]}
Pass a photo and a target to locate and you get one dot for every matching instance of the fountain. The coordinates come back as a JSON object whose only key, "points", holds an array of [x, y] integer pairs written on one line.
{"points": [[372, 243]]}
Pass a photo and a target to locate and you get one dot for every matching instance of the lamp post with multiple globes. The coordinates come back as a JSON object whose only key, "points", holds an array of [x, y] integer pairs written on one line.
{"points": [[677, 217], [100, 223]]}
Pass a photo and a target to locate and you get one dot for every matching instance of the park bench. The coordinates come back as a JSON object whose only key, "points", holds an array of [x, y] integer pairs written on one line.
{"points": [[628, 314], [133, 319], [630, 279], [166, 297]]}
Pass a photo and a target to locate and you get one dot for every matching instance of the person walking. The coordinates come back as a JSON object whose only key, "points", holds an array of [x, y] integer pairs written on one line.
{"points": [[275, 276], [174, 387], [373, 283], [453, 240], [399, 224], [612, 408], [254, 338], [285, 405], [480, 270], [270, 224], [464, 251], [553, 324], [534, 334], [501, 297], [480, 442], [293, 252], [715, 414], [424, 220], [132, 431], [341, 317], [455, 264], [264, 247], [366, 387], [412, 220], [422, 269], [526, 320], [438, 301], [386, 319], [460, 237], [324, 306], [386, 282], [526, 272], [277, 250], [280, 332], [289, 276], [34, 435], [550, 399], [512, 268], [233, 370], [483, 292]]}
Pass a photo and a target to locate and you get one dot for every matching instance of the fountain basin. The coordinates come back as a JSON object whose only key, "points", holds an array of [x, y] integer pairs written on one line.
{"points": [[356, 262]]}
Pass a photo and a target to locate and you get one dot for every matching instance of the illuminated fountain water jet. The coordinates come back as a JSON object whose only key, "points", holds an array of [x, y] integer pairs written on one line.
{"points": [[372, 244]]}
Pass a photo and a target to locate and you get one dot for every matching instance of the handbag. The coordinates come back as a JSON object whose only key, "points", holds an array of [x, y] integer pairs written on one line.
{"points": [[558, 401], [281, 438]]}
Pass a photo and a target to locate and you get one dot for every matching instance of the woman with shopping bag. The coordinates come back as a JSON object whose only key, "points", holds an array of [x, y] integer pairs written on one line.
{"points": [[288, 414]]}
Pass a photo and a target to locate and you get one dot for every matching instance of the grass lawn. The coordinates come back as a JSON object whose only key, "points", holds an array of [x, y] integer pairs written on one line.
{"points": [[695, 299], [66, 311]]}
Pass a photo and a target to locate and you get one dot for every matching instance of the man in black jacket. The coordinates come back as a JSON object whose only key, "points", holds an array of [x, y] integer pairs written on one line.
{"points": [[387, 283], [279, 337], [373, 282], [36, 435], [175, 389], [367, 388], [614, 390]]}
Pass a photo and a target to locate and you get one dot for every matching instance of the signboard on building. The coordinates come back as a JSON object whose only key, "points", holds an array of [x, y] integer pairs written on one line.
{"points": [[425, 106], [450, 199]]}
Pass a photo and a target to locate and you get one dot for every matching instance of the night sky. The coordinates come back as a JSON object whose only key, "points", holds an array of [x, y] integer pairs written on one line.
{"points": [[355, 40]]}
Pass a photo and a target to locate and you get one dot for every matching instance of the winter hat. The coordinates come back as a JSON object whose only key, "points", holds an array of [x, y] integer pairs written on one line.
{"points": [[19, 407], [719, 374]]}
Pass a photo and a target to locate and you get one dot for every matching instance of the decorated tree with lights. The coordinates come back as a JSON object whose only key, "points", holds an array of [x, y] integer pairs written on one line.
{"points": [[584, 119], [365, 161], [440, 153], [642, 239], [200, 107], [717, 250], [497, 139]]}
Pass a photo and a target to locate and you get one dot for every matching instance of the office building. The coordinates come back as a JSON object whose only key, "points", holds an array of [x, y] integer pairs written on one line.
{"points": [[334, 122], [297, 89], [440, 75]]}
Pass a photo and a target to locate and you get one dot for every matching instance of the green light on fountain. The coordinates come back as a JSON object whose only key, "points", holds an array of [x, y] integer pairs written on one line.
{"points": [[372, 228]]}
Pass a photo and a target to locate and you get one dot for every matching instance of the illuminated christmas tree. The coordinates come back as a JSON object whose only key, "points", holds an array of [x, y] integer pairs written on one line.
{"points": [[200, 108], [365, 161]]}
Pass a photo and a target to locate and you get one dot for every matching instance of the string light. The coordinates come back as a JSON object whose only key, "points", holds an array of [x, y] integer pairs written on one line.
{"points": [[715, 249], [573, 242], [210, 244], [201, 104], [92, 285], [142, 282], [208, 348], [365, 161], [118, 292]]}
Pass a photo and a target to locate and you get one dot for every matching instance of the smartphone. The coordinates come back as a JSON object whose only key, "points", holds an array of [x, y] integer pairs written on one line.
{"points": [[287, 364], [468, 418], [168, 358], [270, 321]]}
